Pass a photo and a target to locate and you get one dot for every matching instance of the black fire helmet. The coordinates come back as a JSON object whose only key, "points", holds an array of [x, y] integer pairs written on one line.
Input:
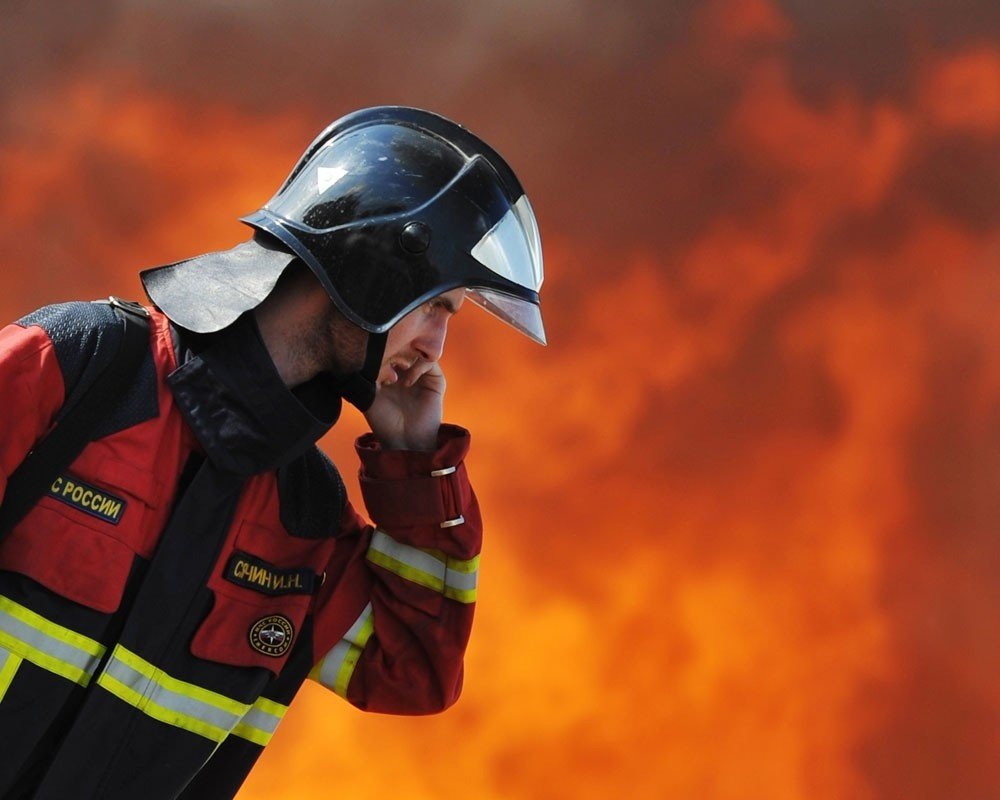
{"points": [[389, 207]]}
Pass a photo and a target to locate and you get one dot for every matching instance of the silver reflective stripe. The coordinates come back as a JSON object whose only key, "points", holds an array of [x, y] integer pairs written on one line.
{"points": [[331, 663], [47, 644], [464, 581], [337, 667], [410, 556], [261, 721], [453, 578], [158, 695]]}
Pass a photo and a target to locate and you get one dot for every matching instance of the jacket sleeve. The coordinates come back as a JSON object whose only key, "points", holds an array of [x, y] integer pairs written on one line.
{"points": [[395, 612], [31, 393]]}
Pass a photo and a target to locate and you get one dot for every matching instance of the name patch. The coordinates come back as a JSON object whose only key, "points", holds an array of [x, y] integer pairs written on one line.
{"points": [[250, 572], [97, 502]]}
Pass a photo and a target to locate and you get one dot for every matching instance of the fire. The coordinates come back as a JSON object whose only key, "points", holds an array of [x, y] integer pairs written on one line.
{"points": [[962, 93], [741, 513]]}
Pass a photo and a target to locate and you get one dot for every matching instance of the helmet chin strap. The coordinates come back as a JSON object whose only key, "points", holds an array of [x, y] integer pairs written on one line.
{"points": [[359, 389]]}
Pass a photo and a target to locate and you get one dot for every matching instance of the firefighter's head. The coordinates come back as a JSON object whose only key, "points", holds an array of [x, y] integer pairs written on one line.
{"points": [[306, 333], [389, 208]]}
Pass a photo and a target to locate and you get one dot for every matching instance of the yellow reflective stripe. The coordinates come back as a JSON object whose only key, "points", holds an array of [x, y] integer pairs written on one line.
{"points": [[37, 621], [26, 635], [335, 670], [270, 707], [346, 669], [131, 678], [252, 734], [454, 578], [461, 595], [353, 643], [44, 660], [261, 721], [158, 676], [10, 662], [404, 570], [461, 579], [158, 712], [465, 567], [47, 644]]}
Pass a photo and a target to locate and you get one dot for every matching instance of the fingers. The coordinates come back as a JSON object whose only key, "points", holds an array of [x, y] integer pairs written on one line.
{"points": [[416, 374], [406, 413]]}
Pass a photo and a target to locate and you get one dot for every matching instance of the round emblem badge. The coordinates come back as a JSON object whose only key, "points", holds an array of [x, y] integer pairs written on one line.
{"points": [[272, 635]]}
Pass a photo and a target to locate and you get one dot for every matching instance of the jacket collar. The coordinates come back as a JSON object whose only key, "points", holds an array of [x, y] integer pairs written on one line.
{"points": [[240, 410]]}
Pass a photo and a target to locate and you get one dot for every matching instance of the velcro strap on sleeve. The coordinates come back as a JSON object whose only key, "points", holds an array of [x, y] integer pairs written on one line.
{"points": [[424, 500]]}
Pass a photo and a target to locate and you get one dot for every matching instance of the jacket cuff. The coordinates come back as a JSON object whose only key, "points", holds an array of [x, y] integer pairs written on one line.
{"points": [[406, 488]]}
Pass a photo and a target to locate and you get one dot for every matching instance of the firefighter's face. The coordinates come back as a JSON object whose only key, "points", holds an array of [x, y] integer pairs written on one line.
{"points": [[418, 338]]}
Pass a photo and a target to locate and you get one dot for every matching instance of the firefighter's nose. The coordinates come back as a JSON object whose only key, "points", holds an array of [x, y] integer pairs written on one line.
{"points": [[430, 343]]}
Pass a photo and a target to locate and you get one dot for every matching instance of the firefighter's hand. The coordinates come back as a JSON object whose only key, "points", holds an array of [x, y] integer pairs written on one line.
{"points": [[407, 411]]}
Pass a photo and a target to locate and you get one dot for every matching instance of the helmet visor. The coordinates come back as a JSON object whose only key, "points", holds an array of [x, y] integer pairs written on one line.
{"points": [[512, 248], [521, 314]]}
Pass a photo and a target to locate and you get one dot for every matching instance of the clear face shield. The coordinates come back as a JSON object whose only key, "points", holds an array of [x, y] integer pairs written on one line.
{"points": [[513, 250]]}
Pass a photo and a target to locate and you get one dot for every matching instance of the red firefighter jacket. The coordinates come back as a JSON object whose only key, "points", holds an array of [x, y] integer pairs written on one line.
{"points": [[161, 605]]}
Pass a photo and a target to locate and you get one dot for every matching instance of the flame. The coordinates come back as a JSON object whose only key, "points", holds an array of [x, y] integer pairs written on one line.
{"points": [[962, 93], [741, 512]]}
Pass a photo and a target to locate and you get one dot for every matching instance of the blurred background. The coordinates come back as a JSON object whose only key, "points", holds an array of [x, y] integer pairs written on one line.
{"points": [[743, 511]]}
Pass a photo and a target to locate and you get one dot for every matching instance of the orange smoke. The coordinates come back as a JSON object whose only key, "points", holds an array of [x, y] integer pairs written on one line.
{"points": [[742, 512]]}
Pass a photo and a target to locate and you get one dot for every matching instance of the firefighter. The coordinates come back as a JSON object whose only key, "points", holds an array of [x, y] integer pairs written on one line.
{"points": [[163, 601]]}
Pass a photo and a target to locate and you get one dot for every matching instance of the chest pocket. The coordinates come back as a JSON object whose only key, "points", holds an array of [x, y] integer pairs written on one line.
{"points": [[81, 538], [264, 588]]}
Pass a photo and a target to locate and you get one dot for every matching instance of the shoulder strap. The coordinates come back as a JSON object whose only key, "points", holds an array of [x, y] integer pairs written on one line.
{"points": [[82, 411]]}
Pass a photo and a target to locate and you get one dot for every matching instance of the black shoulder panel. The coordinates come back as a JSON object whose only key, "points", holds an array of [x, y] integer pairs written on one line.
{"points": [[78, 330], [311, 495], [138, 404]]}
